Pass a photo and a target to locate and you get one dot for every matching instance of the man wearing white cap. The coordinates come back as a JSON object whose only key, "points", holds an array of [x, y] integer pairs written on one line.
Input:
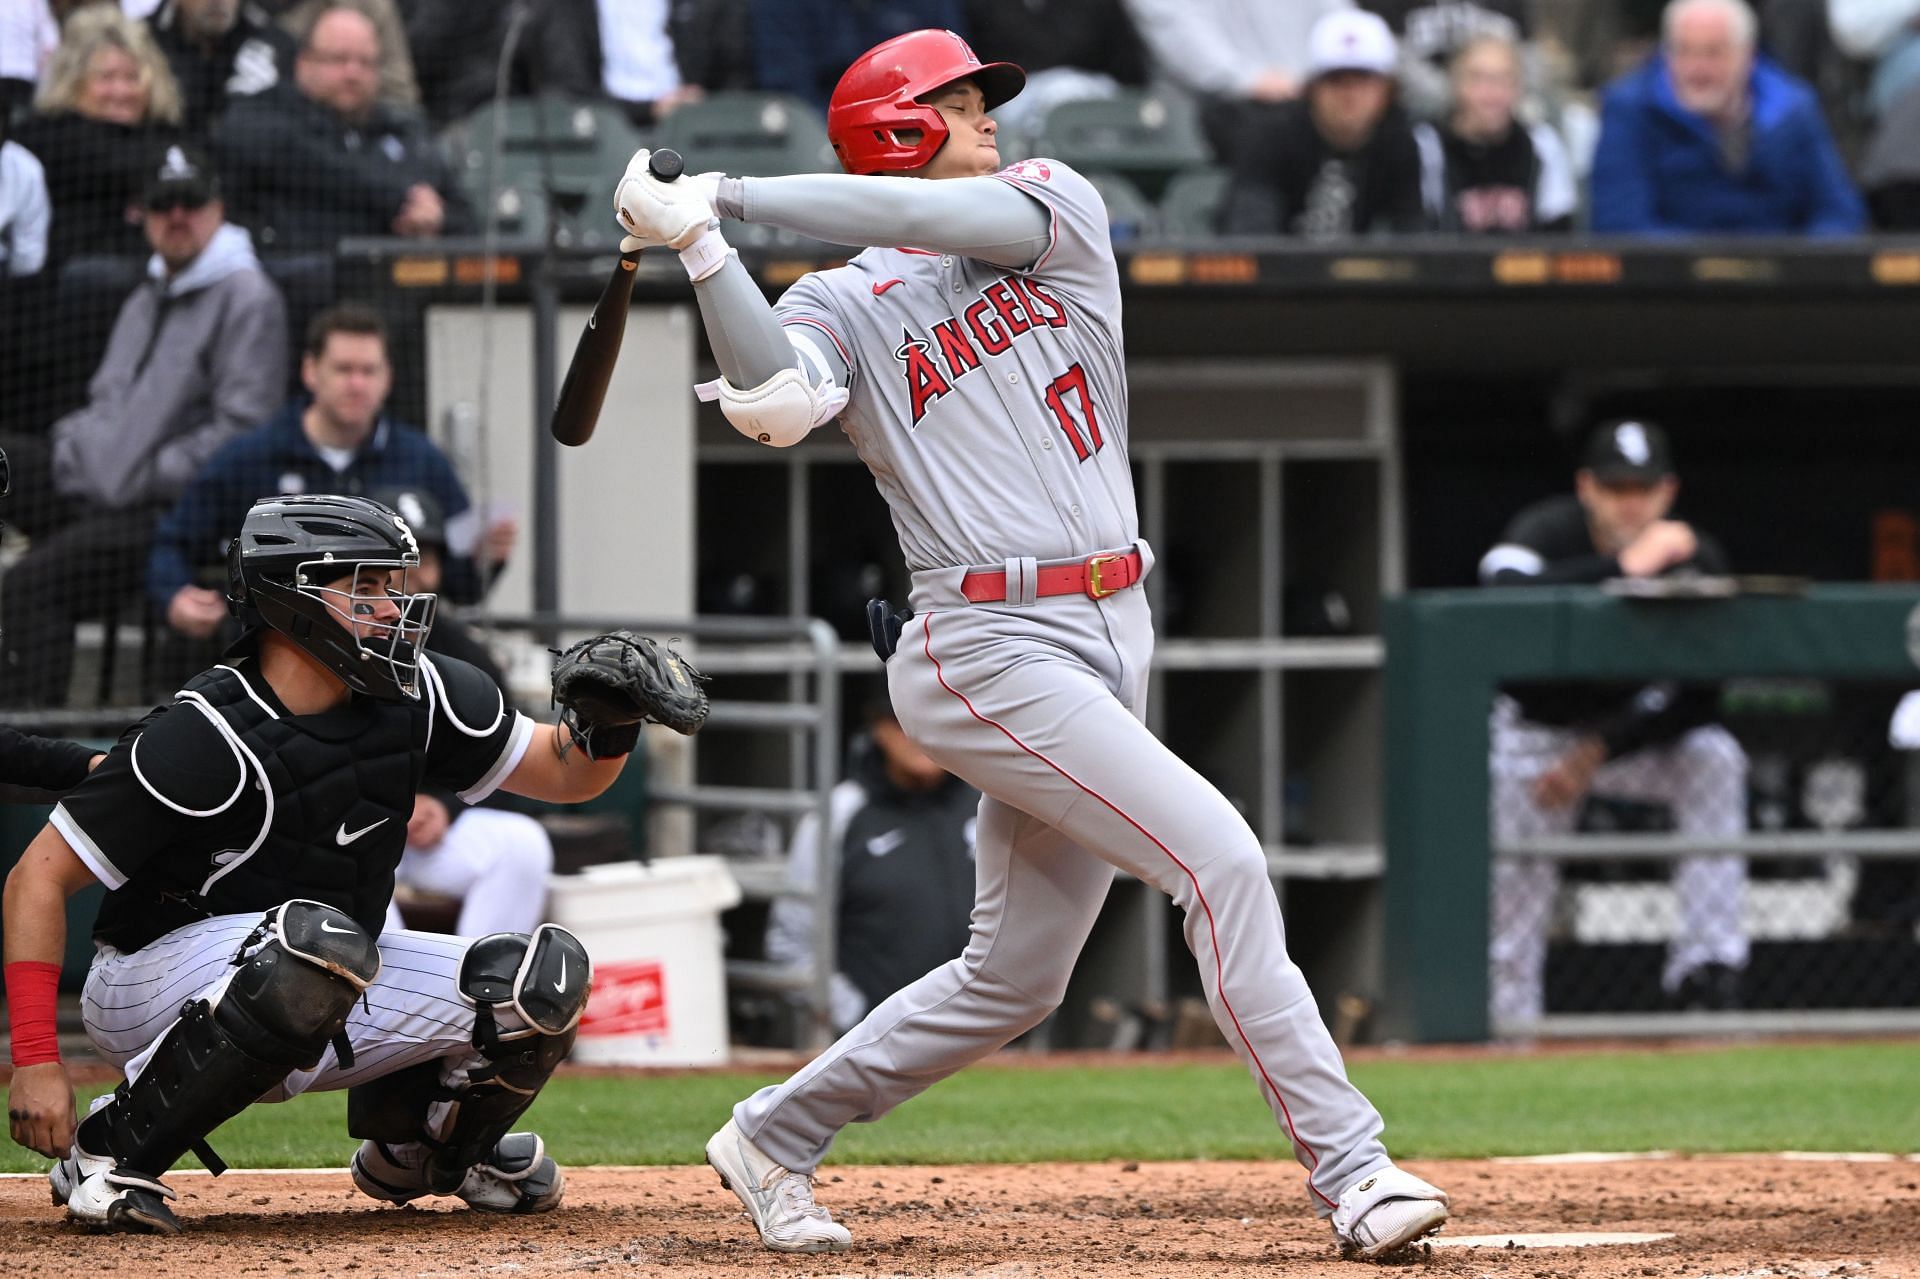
{"points": [[1341, 159]]}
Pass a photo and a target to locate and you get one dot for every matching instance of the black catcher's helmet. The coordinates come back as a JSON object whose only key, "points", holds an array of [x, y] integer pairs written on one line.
{"points": [[282, 570]]}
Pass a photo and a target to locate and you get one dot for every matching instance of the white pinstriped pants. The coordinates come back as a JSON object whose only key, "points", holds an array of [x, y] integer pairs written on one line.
{"points": [[1701, 776], [412, 1012]]}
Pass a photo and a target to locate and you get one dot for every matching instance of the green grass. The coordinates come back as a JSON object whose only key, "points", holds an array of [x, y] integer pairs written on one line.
{"points": [[1775, 1097]]}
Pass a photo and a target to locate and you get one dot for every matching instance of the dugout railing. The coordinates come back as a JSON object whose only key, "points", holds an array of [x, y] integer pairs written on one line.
{"points": [[776, 706], [1448, 655]]}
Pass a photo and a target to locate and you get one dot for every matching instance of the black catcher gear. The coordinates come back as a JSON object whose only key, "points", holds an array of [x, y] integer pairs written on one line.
{"points": [[285, 570]]}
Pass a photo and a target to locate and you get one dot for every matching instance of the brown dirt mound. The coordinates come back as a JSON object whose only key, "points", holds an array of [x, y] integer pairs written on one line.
{"points": [[1746, 1217]]}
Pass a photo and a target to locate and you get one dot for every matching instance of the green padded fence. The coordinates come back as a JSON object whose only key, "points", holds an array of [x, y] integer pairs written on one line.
{"points": [[1447, 651]]}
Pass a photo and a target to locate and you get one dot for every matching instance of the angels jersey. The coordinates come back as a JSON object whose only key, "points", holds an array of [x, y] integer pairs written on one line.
{"points": [[990, 405]]}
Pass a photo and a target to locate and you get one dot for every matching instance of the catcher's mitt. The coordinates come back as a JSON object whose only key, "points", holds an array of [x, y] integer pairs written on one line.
{"points": [[612, 684]]}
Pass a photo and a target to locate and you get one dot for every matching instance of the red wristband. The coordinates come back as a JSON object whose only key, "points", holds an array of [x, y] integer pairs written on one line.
{"points": [[33, 990]]}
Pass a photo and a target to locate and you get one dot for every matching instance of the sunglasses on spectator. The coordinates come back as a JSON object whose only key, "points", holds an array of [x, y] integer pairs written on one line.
{"points": [[168, 203]]}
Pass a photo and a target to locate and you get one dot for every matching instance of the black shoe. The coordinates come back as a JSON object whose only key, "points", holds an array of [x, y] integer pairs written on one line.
{"points": [[1709, 988]]}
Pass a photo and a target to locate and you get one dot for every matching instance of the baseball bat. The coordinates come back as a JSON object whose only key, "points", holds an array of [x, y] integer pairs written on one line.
{"points": [[584, 389]]}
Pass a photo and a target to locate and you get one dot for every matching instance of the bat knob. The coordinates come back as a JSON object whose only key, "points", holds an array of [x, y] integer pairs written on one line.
{"points": [[666, 164]]}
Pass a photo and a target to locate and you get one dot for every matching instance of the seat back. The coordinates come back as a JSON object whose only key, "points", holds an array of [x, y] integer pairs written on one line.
{"points": [[749, 134], [1144, 137]]}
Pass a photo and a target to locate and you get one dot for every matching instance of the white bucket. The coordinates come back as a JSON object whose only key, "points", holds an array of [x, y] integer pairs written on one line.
{"points": [[659, 979]]}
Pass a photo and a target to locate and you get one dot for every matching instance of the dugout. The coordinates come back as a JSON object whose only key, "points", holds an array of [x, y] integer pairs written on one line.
{"points": [[1320, 431]]}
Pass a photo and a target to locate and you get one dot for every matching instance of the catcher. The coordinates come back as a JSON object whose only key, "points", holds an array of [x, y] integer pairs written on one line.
{"points": [[247, 835]]}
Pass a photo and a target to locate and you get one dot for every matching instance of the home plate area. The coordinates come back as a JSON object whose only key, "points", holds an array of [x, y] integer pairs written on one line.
{"points": [[1751, 1217]]}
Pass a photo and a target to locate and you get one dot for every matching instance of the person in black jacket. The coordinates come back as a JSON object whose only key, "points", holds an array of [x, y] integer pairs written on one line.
{"points": [[104, 108], [1070, 49], [457, 46], [1554, 745], [901, 828], [1340, 159], [1485, 171], [319, 159], [219, 49]]}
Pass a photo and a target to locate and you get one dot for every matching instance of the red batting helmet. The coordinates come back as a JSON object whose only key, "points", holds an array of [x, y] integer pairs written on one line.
{"points": [[876, 97]]}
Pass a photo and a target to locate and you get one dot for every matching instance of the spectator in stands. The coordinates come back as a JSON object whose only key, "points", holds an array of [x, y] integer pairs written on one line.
{"points": [[1432, 32], [336, 439], [466, 37], [218, 49], [1231, 54], [494, 860], [1710, 137], [1885, 33], [1554, 745], [1596, 41], [399, 88], [801, 46], [321, 159], [25, 212], [1341, 159], [29, 33], [1796, 35], [198, 353], [903, 830], [1890, 171], [1483, 169], [655, 57], [1070, 49], [104, 103]]}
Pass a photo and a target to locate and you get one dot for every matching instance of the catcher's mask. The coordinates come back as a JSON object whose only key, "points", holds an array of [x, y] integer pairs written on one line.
{"points": [[298, 567]]}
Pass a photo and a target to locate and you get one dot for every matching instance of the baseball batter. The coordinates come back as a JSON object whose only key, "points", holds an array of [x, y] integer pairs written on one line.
{"points": [[247, 835], [975, 358]]}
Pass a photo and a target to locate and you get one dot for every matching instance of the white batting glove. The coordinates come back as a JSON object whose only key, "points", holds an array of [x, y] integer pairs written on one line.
{"points": [[676, 213]]}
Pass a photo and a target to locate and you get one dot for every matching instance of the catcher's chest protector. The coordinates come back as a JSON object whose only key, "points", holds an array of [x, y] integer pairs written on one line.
{"points": [[341, 793]]}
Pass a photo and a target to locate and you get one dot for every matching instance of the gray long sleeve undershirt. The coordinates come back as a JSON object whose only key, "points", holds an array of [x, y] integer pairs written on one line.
{"points": [[973, 217]]}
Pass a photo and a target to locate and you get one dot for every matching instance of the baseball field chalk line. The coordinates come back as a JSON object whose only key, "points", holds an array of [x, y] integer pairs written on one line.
{"points": [[1575, 1157], [1648, 1156], [1566, 1239]]}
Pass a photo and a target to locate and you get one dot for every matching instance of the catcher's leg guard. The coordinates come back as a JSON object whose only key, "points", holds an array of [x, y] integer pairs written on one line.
{"points": [[462, 1127], [299, 975]]}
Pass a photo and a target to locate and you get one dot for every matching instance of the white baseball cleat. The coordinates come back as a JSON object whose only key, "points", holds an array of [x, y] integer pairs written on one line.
{"points": [[780, 1201], [103, 1197], [1385, 1211]]}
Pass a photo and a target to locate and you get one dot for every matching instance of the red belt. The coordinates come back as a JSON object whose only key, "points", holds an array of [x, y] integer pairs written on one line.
{"points": [[1096, 577]]}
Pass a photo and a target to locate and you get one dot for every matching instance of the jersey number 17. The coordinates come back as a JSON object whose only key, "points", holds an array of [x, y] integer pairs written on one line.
{"points": [[1085, 441]]}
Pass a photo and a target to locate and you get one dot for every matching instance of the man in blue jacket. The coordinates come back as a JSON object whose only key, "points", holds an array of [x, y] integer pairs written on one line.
{"points": [[338, 440], [1707, 138]]}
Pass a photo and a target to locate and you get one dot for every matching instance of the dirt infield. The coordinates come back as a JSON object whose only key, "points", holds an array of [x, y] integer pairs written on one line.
{"points": [[1748, 1217]]}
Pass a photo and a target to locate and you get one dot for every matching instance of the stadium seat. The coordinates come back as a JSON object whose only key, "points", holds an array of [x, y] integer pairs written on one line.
{"points": [[520, 213], [1130, 215], [1144, 137], [758, 134], [558, 160], [1190, 206]]}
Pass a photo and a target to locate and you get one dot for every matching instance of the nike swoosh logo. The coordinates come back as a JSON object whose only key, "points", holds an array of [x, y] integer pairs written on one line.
{"points": [[560, 983], [884, 285], [342, 838], [325, 927]]}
